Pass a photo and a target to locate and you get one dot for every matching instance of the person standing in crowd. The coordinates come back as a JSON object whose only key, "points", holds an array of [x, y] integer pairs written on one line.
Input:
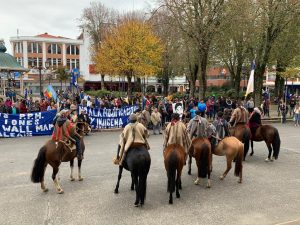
{"points": [[147, 116], [23, 108], [193, 112], [221, 126], [197, 126], [163, 112], [283, 111], [202, 108], [156, 121], [297, 115], [14, 109], [292, 106]]}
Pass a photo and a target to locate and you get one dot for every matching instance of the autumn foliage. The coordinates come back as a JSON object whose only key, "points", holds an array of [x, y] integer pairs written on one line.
{"points": [[131, 49]]}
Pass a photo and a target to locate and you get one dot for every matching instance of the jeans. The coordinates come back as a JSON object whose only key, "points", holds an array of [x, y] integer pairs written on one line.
{"points": [[297, 118]]}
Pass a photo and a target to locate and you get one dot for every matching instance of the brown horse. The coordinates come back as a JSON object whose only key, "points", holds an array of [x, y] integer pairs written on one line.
{"points": [[83, 126], [53, 153], [174, 159], [201, 150], [232, 148], [270, 135], [243, 133]]}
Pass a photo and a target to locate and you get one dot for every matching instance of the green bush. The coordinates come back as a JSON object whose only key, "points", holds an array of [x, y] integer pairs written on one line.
{"points": [[99, 93]]}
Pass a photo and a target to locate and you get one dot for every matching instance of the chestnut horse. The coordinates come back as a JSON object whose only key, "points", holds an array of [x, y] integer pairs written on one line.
{"points": [[200, 149], [174, 159], [53, 153], [231, 148], [243, 133], [138, 162], [270, 135]]}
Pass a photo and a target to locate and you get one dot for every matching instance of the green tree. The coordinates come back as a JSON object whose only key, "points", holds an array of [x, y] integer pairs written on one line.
{"points": [[62, 75]]}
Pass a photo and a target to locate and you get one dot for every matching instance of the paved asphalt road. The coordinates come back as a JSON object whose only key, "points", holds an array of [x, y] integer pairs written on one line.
{"points": [[270, 193]]}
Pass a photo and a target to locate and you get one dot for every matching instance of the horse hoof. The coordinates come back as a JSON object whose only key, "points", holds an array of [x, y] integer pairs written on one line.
{"points": [[197, 181], [208, 186], [221, 178], [251, 154], [61, 191], [267, 160], [170, 202], [132, 188], [116, 191], [72, 179], [136, 204], [240, 181], [189, 173], [45, 190], [178, 195], [80, 178]]}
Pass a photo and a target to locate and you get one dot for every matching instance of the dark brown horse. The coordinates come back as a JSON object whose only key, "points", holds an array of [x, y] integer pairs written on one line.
{"points": [[201, 150], [243, 133], [53, 153], [270, 136], [83, 126], [232, 148], [174, 159]]}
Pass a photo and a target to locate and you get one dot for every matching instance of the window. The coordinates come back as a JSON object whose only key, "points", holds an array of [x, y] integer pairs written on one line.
{"points": [[35, 62], [34, 47], [73, 63], [18, 47], [72, 50], [54, 49], [54, 62], [20, 60]]}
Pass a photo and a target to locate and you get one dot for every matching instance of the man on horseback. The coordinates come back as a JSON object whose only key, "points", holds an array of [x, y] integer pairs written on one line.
{"points": [[221, 129], [84, 117], [239, 116], [255, 120], [64, 131], [134, 134], [176, 133], [197, 126]]}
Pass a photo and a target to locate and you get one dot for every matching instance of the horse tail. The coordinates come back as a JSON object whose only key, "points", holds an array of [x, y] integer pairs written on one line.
{"points": [[203, 161], [172, 166], [38, 170], [276, 144], [143, 169], [239, 159]]}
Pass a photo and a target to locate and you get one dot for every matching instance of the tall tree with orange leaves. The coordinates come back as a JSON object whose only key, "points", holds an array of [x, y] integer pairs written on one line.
{"points": [[131, 49]]}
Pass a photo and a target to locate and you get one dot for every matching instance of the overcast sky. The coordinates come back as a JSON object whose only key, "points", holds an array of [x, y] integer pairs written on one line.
{"points": [[56, 17]]}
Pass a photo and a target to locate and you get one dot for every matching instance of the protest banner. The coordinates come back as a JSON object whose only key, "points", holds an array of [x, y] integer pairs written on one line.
{"points": [[109, 118], [29, 124]]}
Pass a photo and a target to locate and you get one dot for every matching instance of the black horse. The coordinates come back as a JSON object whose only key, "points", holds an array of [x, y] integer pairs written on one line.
{"points": [[137, 161]]}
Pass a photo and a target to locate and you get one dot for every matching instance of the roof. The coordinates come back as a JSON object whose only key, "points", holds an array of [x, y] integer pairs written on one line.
{"points": [[8, 62], [46, 35]]}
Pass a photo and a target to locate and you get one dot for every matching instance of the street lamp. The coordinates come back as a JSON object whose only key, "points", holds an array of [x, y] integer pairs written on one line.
{"points": [[40, 68]]}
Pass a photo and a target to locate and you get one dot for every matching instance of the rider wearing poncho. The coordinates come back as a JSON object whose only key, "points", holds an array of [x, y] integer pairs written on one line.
{"points": [[221, 128], [134, 134], [176, 133], [197, 126], [64, 131], [239, 116]]}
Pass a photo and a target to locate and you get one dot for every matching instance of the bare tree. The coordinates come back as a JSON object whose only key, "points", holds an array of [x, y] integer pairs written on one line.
{"points": [[199, 22], [97, 21]]}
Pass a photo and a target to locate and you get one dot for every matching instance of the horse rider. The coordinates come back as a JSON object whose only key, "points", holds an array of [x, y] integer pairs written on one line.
{"points": [[221, 129], [197, 126], [73, 114], [255, 120], [83, 116], [62, 131], [135, 134], [176, 133], [239, 116]]}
